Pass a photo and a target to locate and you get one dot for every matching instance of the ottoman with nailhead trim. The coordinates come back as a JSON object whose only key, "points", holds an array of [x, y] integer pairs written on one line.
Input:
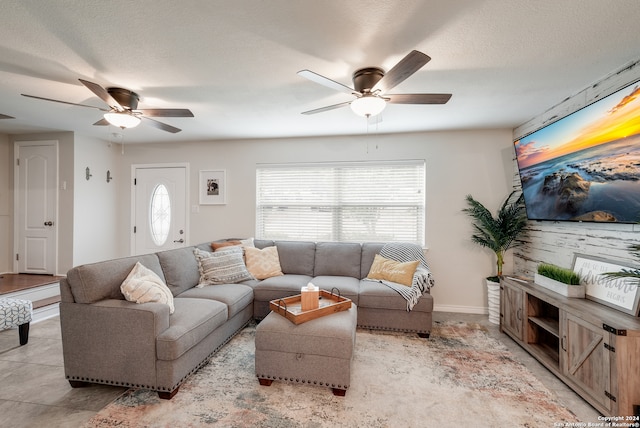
{"points": [[316, 352]]}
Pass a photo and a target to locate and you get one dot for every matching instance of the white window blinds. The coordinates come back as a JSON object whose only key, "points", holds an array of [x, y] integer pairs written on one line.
{"points": [[345, 201]]}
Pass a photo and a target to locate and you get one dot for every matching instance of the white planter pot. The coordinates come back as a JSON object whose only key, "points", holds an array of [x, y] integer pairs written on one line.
{"points": [[493, 300], [561, 288]]}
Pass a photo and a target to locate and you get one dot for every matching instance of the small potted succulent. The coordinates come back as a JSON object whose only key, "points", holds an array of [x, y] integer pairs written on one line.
{"points": [[560, 280]]}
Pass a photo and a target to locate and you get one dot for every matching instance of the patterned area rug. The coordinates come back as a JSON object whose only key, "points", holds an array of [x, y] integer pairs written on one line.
{"points": [[459, 377]]}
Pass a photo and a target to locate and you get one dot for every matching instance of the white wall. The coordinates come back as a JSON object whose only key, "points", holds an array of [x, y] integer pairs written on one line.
{"points": [[6, 204], [557, 243], [459, 162], [96, 217]]}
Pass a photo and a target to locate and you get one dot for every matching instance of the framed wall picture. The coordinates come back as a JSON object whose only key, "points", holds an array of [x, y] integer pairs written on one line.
{"points": [[622, 294], [213, 187]]}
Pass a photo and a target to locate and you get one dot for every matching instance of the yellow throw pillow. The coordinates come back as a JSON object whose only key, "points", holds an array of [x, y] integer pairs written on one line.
{"points": [[263, 264], [391, 270], [143, 285]]}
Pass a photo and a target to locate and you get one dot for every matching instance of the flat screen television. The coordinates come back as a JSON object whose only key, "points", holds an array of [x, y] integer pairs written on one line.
{"points": [[585, 166]]}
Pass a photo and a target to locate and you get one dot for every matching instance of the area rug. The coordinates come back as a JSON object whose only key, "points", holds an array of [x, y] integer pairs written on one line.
{"points": [[459, 377]]}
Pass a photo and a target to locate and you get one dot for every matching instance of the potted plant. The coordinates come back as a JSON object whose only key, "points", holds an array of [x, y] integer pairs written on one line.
{"points": [[498, 234], [633, 273], [561, 280]]}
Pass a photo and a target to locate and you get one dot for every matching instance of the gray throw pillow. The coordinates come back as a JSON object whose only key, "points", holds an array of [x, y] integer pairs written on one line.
{"points": [[225, 266]]}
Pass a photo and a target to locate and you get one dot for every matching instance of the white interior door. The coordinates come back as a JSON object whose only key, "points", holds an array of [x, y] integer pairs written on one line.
{"points": [[160, 208], [36, 202]]}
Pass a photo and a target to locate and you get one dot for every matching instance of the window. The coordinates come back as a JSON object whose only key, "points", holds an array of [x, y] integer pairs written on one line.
{"points": [[160, 214], [345, 201]]}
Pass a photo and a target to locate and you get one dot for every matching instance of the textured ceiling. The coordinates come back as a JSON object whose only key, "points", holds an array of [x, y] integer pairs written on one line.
{"points": [[234, 63]]}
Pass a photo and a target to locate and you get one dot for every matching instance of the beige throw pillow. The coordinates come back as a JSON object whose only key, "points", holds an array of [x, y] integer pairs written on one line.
{"points": [[391, 270], [143, 285], [225, 266], [263, 264]]}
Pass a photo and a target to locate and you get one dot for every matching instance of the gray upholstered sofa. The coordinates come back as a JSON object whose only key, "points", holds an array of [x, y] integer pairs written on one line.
{"points": [[107, 339]]}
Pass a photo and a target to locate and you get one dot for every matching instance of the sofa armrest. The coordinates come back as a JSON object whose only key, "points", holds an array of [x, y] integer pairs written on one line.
{"points": [[112, 340], [65, 291]]}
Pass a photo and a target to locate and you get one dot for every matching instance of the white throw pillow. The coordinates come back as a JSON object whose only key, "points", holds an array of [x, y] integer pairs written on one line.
{"points": [[143, 285]]}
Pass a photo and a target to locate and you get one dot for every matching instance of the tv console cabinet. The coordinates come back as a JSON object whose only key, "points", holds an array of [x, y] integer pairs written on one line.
{"points": [[592, 348]]}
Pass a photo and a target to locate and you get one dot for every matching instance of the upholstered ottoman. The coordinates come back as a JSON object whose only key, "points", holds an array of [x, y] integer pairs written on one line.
{"points": [[16, 313], [317, 352]]}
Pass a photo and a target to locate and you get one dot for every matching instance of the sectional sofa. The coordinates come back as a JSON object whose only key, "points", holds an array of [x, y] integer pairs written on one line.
{"points": [[109, 340]]}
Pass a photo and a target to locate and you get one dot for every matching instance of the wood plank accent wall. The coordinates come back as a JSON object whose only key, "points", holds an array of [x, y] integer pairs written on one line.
{"points": [[557, 242]]}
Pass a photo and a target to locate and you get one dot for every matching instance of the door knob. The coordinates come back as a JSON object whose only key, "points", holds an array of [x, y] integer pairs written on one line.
{"points": [[48, 223], [179, 241]]}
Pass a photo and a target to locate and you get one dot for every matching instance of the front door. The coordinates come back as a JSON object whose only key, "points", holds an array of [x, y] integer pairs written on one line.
{"points": [[160, 208], [36, 201]]}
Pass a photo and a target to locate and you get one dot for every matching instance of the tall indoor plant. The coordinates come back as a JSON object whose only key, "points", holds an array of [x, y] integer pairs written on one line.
{"points": [[498, 233]]}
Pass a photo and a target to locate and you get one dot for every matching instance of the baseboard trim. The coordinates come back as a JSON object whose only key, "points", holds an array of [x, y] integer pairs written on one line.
{"points": [[45, 312], [461, 309]]}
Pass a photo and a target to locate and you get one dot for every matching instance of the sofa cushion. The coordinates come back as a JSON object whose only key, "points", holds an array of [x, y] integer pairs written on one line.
{"points": [[263, 243], [297, 257], [338, 258], [98, 281], [263, 263], [142, 285], [392, 270], [224, 266], [193, 320], [280, 286], [347, 286], [235, 296], [377, 295], [180, 269], [369, 251]]}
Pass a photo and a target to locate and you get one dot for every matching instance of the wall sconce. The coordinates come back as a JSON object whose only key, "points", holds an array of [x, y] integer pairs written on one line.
{"points": [[109, 176]]}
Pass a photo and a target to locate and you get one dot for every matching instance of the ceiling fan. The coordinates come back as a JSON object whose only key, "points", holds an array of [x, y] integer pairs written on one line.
{"points": [[124, 111], [372, 83]]}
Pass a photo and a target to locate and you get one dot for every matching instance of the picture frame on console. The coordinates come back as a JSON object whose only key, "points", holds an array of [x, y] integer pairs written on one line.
{"points": [[213, 187], [622, 294]]}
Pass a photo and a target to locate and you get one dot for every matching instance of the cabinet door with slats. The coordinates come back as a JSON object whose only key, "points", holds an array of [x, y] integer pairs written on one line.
{"points": [[586, 359]]}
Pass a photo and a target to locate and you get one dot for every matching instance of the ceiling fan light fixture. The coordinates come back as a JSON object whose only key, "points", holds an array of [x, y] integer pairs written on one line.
{"points": [[122, 120], [368, 105]]}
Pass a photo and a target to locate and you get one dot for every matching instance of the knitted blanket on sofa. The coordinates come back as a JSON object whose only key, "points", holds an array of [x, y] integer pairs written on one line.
{"points": [[422, 278]]}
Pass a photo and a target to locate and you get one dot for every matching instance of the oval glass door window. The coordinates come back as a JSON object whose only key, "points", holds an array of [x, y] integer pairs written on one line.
{"points": [[160, 214]]}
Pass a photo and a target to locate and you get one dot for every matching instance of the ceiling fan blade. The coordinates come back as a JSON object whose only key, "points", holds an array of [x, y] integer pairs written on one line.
{"points": [[162, 126], [102, 122], [166, 112], [327, 108], [408, 65], [102, 94], [418, 98], [325, 81], [4, 116], [63, 102]]}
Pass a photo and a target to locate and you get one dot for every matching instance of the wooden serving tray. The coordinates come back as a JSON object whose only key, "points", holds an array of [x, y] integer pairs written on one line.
{"points": [[291, 307]]}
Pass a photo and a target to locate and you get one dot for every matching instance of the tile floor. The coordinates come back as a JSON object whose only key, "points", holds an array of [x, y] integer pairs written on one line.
{"points": [[34, 392]]}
